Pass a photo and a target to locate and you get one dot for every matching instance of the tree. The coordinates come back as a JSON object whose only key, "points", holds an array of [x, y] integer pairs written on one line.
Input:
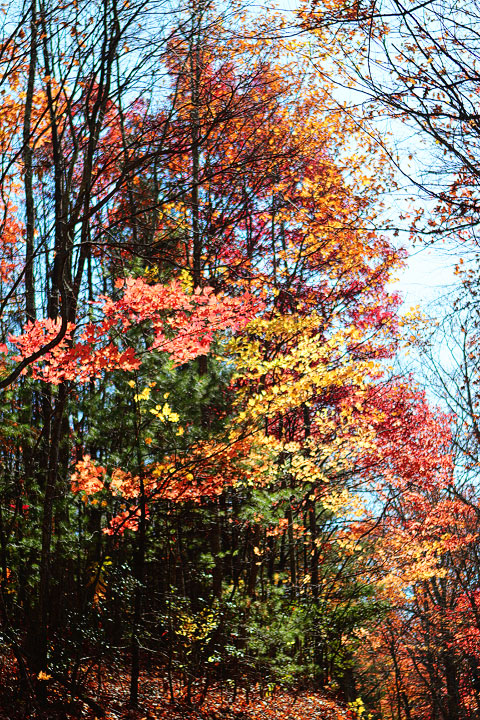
{"points": [[416, 64], [195, 358]]}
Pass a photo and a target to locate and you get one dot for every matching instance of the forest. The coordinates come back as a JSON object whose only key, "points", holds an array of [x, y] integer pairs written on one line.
{"points": [[238, 472]]}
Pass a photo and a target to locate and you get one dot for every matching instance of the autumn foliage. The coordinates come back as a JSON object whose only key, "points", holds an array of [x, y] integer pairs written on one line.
{"points": [[212, 480]]}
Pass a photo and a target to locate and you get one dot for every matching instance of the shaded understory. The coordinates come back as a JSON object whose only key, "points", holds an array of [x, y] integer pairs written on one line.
{"points": [[108, 692]]}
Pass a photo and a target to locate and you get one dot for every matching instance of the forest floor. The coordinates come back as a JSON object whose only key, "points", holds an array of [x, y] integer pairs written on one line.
{"points": [[155, 701]]}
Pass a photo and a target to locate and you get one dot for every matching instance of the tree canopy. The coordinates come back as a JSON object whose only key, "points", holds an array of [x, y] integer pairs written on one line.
{"points": [[218, 492]]}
